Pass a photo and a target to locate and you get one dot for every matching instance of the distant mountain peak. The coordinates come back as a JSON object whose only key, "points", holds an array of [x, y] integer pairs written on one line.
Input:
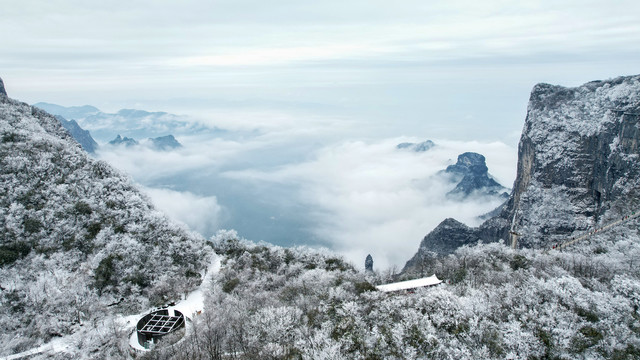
{"points": [[469, 162], [472, 174], [119, 140], [135, 113], [165, 143], [417, 147]]}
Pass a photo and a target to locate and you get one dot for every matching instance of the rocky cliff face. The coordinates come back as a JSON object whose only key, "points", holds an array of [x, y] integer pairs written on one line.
{"points": [[472, 175], [578, 159], [578, 166]]}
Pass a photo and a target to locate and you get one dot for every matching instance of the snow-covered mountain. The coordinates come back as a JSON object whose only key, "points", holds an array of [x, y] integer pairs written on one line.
{"points": [[578, 168], [75, 237], [578, 159]]}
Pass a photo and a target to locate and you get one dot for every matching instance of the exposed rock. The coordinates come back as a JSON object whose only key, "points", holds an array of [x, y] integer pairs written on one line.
{"points": [[472, 175], [368, 263], [2, 90], [83, 137], [448, 236], [468, 163], [578, 166], [578, 159]]}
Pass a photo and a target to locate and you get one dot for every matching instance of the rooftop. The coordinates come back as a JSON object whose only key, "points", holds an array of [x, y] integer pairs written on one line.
{"points": [[409, 284]]}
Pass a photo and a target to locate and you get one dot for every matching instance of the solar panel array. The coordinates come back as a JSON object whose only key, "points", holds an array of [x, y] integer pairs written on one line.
{"points": [[160, 324]]}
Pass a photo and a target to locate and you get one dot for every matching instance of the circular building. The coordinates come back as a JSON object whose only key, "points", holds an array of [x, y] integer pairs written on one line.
{"points": [[157, 324]]}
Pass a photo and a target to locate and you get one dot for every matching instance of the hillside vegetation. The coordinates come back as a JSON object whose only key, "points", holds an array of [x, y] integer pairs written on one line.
{"points": [[77, 236], [275, 303]]}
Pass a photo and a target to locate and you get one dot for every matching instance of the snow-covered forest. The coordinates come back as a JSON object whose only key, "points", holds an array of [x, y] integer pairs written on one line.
{"points": [[277, 303]]}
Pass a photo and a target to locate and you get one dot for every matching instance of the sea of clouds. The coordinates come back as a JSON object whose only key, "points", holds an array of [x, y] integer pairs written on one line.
{"points": [[310, 180]]}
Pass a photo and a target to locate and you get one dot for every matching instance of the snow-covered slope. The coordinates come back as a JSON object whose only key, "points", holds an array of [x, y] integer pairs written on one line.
{"points": [[75, 237]]}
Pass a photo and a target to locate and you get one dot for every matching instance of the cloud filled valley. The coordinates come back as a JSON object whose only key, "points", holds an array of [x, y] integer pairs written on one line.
{"points": [[298, 182]]}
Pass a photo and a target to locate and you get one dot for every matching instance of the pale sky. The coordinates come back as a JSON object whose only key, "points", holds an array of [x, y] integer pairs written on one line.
{"points": [[381, 60]]}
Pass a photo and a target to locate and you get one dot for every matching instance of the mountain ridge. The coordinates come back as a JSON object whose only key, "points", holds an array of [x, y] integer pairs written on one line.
{"points": [[577, 167], [82, 136]]}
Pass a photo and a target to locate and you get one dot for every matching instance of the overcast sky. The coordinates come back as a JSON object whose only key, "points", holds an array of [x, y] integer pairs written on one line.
{"points": [[408, 65]]}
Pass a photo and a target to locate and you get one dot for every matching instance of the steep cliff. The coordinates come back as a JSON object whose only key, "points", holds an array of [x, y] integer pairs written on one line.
{"points": [[578, 159], [578, 167]]}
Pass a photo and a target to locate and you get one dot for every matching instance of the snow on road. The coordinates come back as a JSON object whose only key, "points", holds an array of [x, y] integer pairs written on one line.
{"points": [[194, 302]]}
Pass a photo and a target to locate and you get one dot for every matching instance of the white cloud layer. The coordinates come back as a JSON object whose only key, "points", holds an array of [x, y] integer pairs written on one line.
{"points": [[198, 213], [373, 198], [357, 197]]}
